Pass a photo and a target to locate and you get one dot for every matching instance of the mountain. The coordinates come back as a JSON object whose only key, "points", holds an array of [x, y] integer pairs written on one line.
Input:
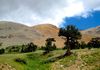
{"points": [[93, 31], [90, 33], [12, 33], [48, 30]]}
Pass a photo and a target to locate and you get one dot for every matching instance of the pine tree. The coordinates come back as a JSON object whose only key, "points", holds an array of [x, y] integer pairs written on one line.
{"points": [[72, 34]]}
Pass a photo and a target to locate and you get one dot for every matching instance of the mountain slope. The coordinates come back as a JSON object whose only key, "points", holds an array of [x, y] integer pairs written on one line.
{"points": [[12, 33], [90, 33], [48, 30]]}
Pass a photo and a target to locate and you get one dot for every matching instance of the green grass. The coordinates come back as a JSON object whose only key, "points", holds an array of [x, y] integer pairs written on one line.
{"points": [[9, 59], [93, 60], [68, 61], [35, 60]]}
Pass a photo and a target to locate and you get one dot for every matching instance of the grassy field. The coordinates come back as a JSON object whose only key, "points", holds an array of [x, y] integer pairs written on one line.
{"points": [[82, 59]]}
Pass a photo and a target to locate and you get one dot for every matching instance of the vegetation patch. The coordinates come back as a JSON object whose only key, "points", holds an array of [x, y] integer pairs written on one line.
{"points": [[92, 60], [2, 51], [20, 60], [68, 61]]}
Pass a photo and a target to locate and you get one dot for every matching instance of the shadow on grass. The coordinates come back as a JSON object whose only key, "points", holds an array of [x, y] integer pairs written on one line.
{"points": [[53, 59]]}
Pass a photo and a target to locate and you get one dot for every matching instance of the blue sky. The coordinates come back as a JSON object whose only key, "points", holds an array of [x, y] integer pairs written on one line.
{"points": [[84, 23]]}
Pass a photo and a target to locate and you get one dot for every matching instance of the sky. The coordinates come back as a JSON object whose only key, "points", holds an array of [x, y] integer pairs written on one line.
{"points": [[83, 23], [82, 13]]}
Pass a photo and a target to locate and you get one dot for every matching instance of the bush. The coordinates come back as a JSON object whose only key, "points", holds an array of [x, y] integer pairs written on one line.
{"points": [[42, 48], [2, 51], [29, 47], [19, 60], [14, 48], [83, 45], [54, 47], [49, 46], [94, 43]]}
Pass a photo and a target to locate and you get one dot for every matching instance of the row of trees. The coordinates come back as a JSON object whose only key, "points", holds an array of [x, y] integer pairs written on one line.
{"points": [[50, 46], [82, 45], [30, 47], [94, 43]]}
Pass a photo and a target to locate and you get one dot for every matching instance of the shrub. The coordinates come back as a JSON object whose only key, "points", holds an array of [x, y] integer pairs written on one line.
{"points": [[49, 46], [83, 45], [19, 60], [42, 48], [14, 48], [54, 47], [2, 51], [94, 43], [28, 48]]}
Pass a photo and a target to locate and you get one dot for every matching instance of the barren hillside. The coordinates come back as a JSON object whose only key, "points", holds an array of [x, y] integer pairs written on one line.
{"points": [[90, 33], [12, 33], [48, 30]]}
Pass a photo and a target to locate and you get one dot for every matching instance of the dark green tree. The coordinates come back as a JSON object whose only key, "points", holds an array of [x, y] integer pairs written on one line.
{"points": [[30, 47], [71, 34], [94, 43], [2, 51], [54, 46], [13, 48], [83, 45], [48, 46]]}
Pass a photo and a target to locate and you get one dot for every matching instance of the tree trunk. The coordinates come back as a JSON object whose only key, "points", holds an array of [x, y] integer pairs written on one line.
{"points": [[68, 52]]}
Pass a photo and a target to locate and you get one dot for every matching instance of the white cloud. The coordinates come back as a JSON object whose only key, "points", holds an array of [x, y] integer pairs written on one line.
{"points": [[91, 4], [33, 12]]}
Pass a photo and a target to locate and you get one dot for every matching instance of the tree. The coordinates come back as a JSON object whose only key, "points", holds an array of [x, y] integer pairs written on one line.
{"points": [[94, 43], [2, 51], [83, 45], [13, 48], [48, 46], [54, 46], [30, 47], [71, 34]]}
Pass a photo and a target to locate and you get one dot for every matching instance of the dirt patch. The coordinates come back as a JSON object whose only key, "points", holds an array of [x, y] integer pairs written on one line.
{"points": [[6, 67]]}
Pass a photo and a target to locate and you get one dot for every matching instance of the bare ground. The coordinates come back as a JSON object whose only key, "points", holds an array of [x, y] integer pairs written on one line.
{"points": [[6, 67]]}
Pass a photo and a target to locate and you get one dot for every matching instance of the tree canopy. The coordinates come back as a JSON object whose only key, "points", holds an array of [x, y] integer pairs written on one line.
{"points": [[72, 34]]}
